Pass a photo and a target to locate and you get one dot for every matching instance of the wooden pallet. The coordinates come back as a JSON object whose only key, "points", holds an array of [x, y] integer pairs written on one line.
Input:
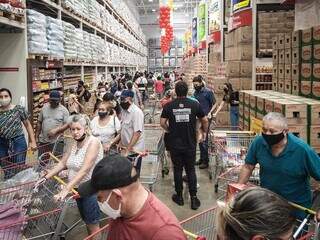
{"points": [[12, 16]]}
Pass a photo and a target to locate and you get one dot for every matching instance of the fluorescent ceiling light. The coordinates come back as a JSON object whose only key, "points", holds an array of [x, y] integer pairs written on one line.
{"points": [[150, 0], [153, 10]]}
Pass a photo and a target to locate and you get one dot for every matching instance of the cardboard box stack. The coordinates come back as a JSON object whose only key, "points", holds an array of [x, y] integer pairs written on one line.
{"points": [[271, 23], [239, 58], [303, 114], [215, 81], [297, 56]]}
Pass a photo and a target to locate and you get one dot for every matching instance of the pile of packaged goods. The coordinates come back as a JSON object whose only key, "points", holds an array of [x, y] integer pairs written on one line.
{"points": [[99, 15], [10, 6], [70, 41], [37, 40], [87, 46], [79, 44], [55, 37]]}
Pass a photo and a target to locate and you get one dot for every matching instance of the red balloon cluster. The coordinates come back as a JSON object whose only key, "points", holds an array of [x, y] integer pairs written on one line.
{"points": [[164, 23]]}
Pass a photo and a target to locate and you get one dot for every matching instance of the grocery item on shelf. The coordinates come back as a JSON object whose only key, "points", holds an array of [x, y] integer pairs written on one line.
{"points": [[55, 37], [70, 40], [36, 33]]}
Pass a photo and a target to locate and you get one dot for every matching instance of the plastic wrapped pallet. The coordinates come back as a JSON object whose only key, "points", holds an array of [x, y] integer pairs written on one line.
{"points": [[69, 3], [36, 33], [79, 44], [87, 46], [55, 37], [70, 47]]}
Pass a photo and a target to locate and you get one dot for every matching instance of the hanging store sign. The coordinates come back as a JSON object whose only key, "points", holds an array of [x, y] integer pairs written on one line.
{"points": [[202, 9], [194, 32], [240, 5], [214, 12], [240, 19]]}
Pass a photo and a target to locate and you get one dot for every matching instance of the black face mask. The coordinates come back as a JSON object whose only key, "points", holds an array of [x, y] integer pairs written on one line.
{"points": [[125, 105], [197, 88], [103, 114], [81, 138], [273, 139], [54, 104]]}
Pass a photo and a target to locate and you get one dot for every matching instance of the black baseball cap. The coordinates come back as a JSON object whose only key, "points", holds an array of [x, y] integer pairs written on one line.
{"points": [[113, 171]]}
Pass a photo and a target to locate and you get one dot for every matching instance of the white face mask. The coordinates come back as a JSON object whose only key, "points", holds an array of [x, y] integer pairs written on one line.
{"points": [[109, 211], [5, 102]]}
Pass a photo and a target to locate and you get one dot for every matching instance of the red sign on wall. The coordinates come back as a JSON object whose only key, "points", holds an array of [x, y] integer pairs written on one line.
{"points": [[240, 19]]}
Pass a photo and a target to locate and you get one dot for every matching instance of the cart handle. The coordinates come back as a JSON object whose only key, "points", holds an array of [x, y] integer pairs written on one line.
{"points": [[193, 236], [59, 180], [307, 210]]}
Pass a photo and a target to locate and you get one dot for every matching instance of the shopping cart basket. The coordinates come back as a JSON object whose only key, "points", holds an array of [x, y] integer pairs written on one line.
{"points": [[43, 216], [150, 111], [198, 227], [227, 149], [154, 145]]}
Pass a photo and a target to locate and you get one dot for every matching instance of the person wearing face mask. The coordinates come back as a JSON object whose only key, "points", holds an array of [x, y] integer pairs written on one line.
{"points": [[207, 102], [79, 160], [52, 116], [286, 162], [230, 97], [132, 125], [136, 212], [106, 125], [12, 139]]}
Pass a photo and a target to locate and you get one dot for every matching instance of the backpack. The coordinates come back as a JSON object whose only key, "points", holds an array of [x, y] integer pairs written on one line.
{"points": [[87, 95]]}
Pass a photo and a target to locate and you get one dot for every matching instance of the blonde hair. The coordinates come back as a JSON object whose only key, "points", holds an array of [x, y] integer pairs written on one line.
{"points": [[82, 119], [254, 211]]}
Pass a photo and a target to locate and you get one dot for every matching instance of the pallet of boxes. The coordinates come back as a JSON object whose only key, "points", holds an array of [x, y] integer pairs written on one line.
{"points": [[215, 81], [238, 58], [303, 114]]}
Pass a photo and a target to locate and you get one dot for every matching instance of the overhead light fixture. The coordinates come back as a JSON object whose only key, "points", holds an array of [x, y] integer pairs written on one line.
{"points": [[187, 14], [153, 10], [150, 0]]}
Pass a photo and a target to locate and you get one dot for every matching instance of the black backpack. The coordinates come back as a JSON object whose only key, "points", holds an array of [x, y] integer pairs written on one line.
{"points": [[87, 95]]}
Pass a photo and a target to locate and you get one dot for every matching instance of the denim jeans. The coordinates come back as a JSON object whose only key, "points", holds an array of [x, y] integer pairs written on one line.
{"points": [[12, 152], [234, 117], [204, 157]]}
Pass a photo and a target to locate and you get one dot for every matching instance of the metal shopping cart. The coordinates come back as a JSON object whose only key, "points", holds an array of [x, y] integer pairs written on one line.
{"points": [[43, 217], [227, 149], [150, 111], [198, 227], [154, 145]]}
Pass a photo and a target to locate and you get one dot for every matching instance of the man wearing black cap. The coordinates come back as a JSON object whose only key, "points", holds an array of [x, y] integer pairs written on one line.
{"points": [[52, 116], [132, 120], [136, 212]]}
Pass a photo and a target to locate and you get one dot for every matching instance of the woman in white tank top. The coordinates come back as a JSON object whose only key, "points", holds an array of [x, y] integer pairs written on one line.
{"points": [[80, 160]]}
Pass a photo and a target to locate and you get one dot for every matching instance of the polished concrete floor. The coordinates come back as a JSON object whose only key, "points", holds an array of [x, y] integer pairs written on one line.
{"points": [[163, 189]]}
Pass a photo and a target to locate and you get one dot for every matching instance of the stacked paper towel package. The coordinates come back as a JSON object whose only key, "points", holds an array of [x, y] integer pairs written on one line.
{"points": [[105, 20], [63, 40]]}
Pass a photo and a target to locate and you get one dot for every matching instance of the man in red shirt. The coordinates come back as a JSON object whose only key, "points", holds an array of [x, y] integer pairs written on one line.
{"points": [[159, 87], [136, 212]]}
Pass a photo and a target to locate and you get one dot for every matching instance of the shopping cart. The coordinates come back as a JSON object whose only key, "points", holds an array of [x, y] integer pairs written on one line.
{"points": [[150, 111], [42, 216], [227, 149], [154, 145], [198, 227]]}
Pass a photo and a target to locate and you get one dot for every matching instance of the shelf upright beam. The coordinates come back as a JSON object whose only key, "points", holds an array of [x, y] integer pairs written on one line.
{"points": [[254, 43], [59, 10]]}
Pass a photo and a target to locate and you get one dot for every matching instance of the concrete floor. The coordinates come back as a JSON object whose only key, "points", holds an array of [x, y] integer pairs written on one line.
{"points": [[164, 189]]}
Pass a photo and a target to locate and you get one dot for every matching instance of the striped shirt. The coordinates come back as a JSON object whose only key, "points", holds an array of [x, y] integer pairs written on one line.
{"points": [[11, 122]]}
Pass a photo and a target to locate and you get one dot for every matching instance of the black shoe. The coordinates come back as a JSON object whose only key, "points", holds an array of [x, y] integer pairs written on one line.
{"points": [[199, 162], [204, 165], [185, 178], [195, 203], [178, 199]]}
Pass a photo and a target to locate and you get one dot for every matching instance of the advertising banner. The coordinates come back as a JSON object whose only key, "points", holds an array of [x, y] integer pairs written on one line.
{"points": [[202, 9], [240, 5], [194, 32], [214, 12]]}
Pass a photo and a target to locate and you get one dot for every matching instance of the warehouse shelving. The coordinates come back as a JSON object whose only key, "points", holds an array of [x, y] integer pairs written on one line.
{"points": [[83, 21], [12, 23]]}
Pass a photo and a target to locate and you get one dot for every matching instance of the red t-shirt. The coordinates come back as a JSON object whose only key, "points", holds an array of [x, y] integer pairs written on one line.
{"points": [[153, 222], [159, 86]]}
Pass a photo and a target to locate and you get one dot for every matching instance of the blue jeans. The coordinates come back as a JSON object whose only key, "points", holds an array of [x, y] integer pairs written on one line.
{"points": [[204, 157], [12, 152], [89, 209], [234, 117]]}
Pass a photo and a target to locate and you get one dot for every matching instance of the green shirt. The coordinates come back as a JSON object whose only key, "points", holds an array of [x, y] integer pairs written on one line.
{"points": [[288, 174]]}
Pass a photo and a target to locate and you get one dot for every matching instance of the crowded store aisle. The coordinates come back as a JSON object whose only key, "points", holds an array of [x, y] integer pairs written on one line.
{"points": [[163, 190]]}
